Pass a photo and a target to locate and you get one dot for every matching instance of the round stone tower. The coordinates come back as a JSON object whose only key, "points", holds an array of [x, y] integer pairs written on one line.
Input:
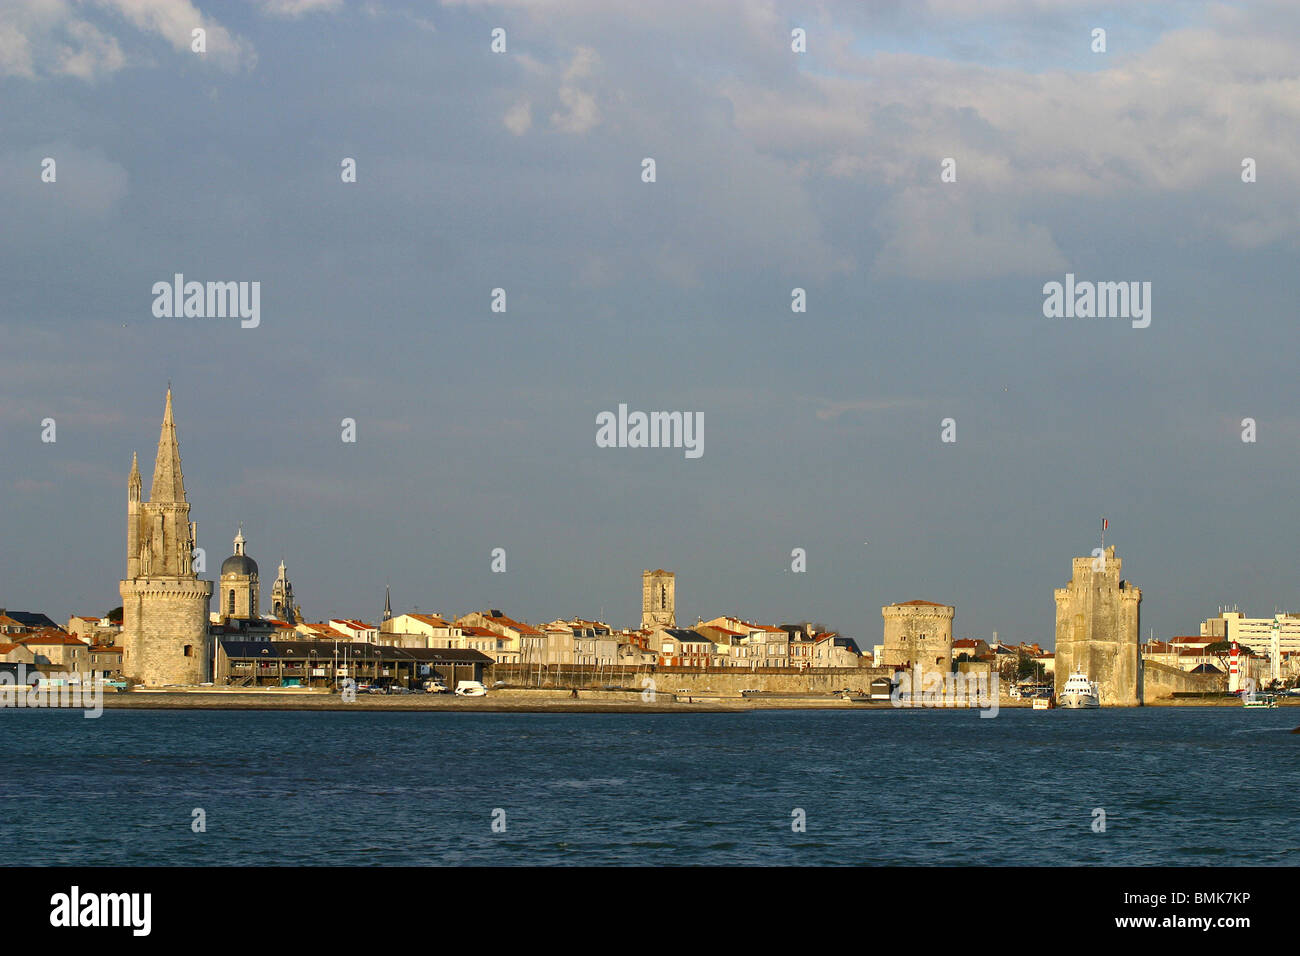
{"points": [[918, 635], [164, 603]]}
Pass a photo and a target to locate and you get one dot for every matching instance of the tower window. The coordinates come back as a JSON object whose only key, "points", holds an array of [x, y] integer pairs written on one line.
{"points": [[189, 650], [231, 609]]}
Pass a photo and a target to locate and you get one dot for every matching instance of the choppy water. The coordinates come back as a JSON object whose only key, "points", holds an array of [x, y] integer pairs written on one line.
{"points": [[1178, 786]]}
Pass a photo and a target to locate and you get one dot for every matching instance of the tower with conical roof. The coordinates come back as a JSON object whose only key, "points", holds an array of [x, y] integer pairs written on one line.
{"points": [[164, 603]]}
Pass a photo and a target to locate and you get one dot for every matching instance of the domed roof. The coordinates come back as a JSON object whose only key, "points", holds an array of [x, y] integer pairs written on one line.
{"points": [[239, 564]]}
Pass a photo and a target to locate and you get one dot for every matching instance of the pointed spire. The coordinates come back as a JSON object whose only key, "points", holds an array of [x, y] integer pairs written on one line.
{"points": [[388, 605], [133, 483], [168, 482], [239, 539]]}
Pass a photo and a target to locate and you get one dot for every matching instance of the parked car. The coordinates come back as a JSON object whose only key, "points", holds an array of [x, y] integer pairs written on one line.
{"points": [[398, 689], [434, 686], [470, 688]]}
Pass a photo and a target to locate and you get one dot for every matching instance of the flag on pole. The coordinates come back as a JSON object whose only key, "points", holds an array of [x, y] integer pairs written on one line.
{"points": [[1105, 523]]}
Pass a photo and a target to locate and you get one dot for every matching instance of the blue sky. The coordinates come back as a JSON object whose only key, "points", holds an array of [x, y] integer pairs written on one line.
{"points": [[521, 170]]}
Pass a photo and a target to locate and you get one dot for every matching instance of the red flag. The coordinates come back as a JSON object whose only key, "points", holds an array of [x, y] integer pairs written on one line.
{"points": [[1105, 523]]}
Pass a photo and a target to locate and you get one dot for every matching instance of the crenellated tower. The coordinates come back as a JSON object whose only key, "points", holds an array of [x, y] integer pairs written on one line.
{"points": [[1097, 628], [164, 603]]}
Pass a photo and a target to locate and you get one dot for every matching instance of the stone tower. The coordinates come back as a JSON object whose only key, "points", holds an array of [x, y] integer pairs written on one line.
{"points": [[164, 604], [918, 635], [1097, 626], [658, 599], [240, 592], [282, 605]]}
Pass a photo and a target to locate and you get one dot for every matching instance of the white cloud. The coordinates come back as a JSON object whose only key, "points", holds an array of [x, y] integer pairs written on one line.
{"points": [[519, 118], [56, 38], [580, 112], [298, 8]]}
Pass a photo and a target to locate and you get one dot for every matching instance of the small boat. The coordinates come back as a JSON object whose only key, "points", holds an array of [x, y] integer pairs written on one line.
{"points": [[1044, 703], [1079, 693], [1263, 700]]}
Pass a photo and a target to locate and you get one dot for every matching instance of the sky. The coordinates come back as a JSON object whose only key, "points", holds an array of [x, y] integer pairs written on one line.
{"points": [[774, 170]]}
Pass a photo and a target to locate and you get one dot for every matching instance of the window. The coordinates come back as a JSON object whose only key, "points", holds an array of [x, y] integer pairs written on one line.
{"points": [[231, 601], [189, 650]]}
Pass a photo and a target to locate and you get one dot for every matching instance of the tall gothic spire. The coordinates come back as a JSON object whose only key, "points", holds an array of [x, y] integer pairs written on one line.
{"points": [[168, 482], [388, 605]]}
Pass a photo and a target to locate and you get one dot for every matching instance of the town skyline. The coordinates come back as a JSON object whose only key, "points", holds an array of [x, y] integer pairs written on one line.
{"points": [[863, 636]]}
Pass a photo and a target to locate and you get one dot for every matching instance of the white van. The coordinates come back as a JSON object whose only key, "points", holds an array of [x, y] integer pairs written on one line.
{"points": [[470, 688]]}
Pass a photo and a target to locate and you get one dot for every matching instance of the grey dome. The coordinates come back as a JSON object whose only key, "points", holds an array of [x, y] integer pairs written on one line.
{"points": [[239, 564]]}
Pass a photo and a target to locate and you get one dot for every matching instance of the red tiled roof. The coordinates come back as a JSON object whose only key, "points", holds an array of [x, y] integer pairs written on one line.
{"points": [[53, 637], [431, 619], [517, 625], [724, 630]]}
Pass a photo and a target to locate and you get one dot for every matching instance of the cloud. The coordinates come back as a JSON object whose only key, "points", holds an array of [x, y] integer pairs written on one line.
{"points": [[89, 185], [55, 38], [937, 233], [831, 410], [519, 118], [32, 485], [298, 8], [580, 112]]}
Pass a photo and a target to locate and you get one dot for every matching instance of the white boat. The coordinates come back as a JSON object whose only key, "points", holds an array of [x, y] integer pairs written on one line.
{"points": [[1043, 703], [1079, 693]]}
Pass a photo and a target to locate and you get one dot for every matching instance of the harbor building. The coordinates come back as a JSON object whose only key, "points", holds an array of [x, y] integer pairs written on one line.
{"points": [[164, 603], [324, 664], [918, 635], [1097, 624], [1256, 632]]}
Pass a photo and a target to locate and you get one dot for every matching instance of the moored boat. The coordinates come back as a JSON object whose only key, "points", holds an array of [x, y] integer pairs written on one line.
{"points": [[1261, 700], [1079, 693]]}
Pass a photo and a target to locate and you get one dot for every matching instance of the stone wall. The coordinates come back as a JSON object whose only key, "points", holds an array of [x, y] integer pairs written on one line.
{"points": [[727, 681], [1162, 681]]}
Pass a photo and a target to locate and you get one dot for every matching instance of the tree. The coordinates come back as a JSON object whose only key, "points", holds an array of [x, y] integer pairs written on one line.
{"points": [[115, 616]]}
